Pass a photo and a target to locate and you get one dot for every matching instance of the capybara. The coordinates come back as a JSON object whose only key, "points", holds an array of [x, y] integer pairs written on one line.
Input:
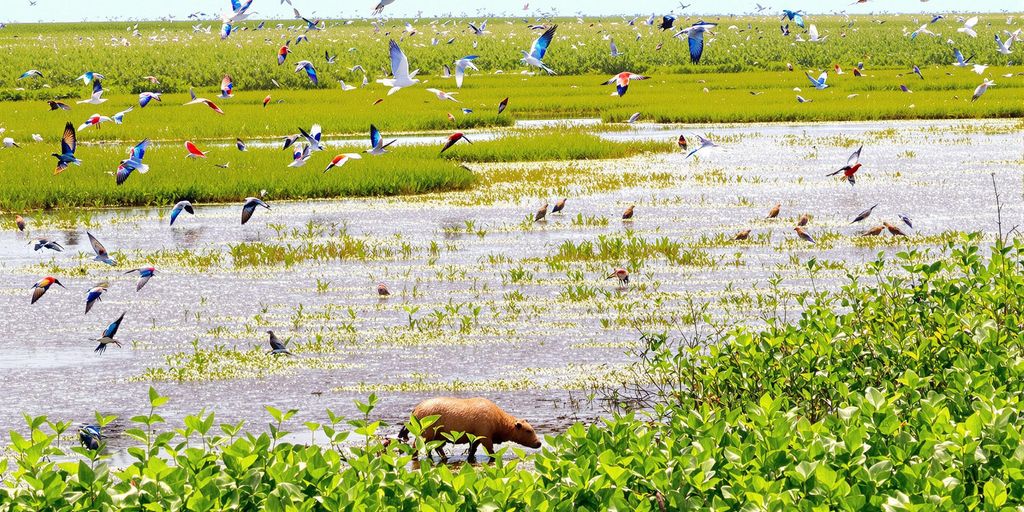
{"points": [[478, 416]]}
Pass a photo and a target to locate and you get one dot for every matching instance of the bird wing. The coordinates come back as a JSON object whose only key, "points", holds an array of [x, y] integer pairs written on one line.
{"points": [[811, 78], [140, 150], [68, 141], [813, 32], [96, 245], [823, 77], [97, 87], [540, 45], [855, 157], [399, 62], [192, 149], [111, 329], [375, 138], [696, 40], [226, 84], [316, 132], [971, 22]]}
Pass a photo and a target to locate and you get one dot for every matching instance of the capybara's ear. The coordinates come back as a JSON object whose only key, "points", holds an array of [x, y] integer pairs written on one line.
{"points": [[519, 425]]}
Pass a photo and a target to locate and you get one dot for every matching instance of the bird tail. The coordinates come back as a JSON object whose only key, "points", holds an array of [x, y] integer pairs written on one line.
{"points": [[403, 434]]}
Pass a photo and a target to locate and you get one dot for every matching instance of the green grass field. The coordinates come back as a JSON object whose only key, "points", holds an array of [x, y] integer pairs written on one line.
{"points": [[742, 78]]}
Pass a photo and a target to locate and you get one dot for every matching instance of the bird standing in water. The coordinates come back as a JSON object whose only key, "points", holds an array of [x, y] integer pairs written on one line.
{"points": [[276, 347]]}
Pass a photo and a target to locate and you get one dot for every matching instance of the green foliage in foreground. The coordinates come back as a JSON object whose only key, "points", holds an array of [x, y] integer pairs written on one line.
{"points": [[30, 183], [902, 393]]}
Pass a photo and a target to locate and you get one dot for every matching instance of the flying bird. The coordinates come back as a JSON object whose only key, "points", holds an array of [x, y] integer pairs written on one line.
{"points": [[400, 75], [621, 82], [227, 85], [978, 91], [313, 137], [89, 76], [502, 106], [818, 83], [196, 100], [380, 6], [179, 207], [54, 105], [118, 118], [863, 215], [193, 150], [145, 273], [108, 335], [704, 143], [146, 97], [101, 252], [441, 95], [249, 207], [906, 220], [461, 66], [794, 16], [282, 53], [43, 243], [667, 22], [42, 286], [68, 144], [133, 162], [968, 27], [377, 142], [452, 139], [342, 159], [32, 73], [97, 94], [850, 169], [309, 69], [535, 57], [94, 295], [961, 62]]}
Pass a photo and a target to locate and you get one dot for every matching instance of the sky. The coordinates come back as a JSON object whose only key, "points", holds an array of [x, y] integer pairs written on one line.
{"points": [[93, 10]]}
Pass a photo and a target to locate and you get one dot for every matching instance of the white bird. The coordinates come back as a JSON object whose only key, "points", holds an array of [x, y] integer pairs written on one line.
{"points": [[968, 27], [36, 137], [441, 95], [97, 93], [812, 32], [9, 143], [981, 89], [704, 143], [377, 142], [1004, 48], [346, 87], [119, 117], [980, 68], [535, 57], [460, 68], [313, 136], [614, 49], [401, 77], [380, 7], [299, 158]]}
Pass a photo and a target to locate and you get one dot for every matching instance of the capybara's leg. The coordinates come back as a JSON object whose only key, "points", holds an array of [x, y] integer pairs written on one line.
{"points": [[472, 451], [440, 452]]}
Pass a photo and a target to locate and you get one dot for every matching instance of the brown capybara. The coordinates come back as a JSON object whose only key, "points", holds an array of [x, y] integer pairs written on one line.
{"points": [[478, 416]]}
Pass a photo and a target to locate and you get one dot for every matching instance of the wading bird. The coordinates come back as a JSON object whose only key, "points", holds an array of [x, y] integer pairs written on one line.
{"points": [[803, 220], [101, 252], [559, 206], [803, 234], [628, 214], [145, 273], [875, 231], [622, 275], [774, 212], [249, 207], [90, 436], [400, 75], [42, 286], [896, 231], [19, 221], [382, 290], [541, 213], [181, 206], [108, 335], [276, 346], [742, 235], [535, 57]]}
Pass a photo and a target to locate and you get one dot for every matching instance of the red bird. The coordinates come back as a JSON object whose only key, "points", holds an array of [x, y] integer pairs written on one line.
{"points": [[266, 100], [193, 151], [848, 173], [282, 54], [452, 139]]}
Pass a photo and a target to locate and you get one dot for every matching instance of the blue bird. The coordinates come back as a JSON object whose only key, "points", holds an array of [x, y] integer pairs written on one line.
{"points": [[310, 70], [535, 57], [94, 295], [133, 162], [178, 208], [146, 97], [88, 76], [818, 83], [917, 71], [90, 436], [144, 274], [68, 144], [695, 37], [250, 207], [794, 16], [276, 347], [667, 22], [32, 73], [108, 335], [937, 17]]}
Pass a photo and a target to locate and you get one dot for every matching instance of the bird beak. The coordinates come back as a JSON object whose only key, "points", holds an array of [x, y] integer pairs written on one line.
{"points": [[59, 284]]}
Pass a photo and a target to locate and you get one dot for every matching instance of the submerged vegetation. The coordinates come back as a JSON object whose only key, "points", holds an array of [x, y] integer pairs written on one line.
{"points": [[899, 391]]}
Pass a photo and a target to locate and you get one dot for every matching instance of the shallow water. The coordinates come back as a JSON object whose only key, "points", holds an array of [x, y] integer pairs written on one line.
{"points": [[938, 172]]}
